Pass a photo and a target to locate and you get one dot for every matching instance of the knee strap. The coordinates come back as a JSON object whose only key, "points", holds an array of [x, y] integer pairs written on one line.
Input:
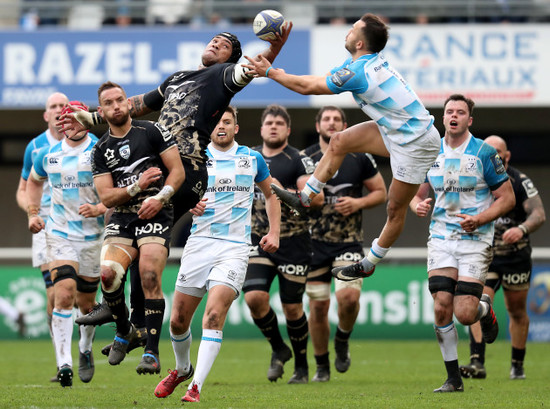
{"points": [[64, 272], [319, 292], [468, 288], [84, 286], [441, 283]]}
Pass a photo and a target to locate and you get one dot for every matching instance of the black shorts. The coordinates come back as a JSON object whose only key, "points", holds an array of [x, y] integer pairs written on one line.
{"points": [[290, 264], [192, 189], [127, 228], [328, 255], [513, 273]]}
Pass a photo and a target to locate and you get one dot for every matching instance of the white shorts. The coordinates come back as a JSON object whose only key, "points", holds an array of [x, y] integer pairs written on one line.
{"points": [[411, 162], [39, 249], [470, 257], [85, 253], [206, 262]]}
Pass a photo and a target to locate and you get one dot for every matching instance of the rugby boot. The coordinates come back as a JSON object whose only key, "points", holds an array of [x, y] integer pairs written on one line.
{"points": [[290, 199], [517, 372], [322, 374], [489, 323], [450, 386], [86, 366], [192, 395], [118, 350], [351, 272], [300, 376], [139, 341], [342, 361], [278, 359], [167, 385], [65, 376], [474, 370], [150, 363]]}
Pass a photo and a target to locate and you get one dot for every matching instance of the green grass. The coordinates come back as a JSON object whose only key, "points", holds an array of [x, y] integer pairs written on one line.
{"points": [[383, 374]]}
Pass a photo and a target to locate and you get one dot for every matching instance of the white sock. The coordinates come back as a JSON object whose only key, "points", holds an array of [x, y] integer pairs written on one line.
{"points": [[313, 187], [209, 348], [86, 337], [447, 337], [376, 253], [62, 329], [181, 344]]}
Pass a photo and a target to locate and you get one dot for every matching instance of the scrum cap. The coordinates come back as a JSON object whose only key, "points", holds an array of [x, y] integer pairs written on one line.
{"points": [[236, 52]]}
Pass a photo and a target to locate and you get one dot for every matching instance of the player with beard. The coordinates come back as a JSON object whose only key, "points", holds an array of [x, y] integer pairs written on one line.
{"points": [[136, 170], [190, 103], [290, 264], [337, 237]]}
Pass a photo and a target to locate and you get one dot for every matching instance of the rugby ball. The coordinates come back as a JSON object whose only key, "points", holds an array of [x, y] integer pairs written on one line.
{"points": [[267, 23]]}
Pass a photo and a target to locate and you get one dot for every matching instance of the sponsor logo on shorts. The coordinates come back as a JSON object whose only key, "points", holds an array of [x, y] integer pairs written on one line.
{"points": [[154, 228], [112, 229], [349, 256], [293, 269], [231, 275], [516, 278]]}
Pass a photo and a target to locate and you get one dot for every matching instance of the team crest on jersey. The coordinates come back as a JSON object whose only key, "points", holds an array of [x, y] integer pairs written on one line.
{"points": [[243, 163], [342, 76], [471, 165], [309, 165], [124, 151], [498, 165]]}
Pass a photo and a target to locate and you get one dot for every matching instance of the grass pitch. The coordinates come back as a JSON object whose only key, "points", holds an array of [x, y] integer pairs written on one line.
{"points": [[383, 374]]}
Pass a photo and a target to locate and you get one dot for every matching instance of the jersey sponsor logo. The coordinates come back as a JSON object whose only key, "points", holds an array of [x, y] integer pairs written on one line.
{"points": [[436, 165], [109, 154], [335, 189], [293, 269], [342, 76], [124, 151], [225, 181], [69, 178], [151, 228], [198, 189], [166, 135], [209, 163], [497, 164], [309, 165], [530, 188], [131, 168], [53, 161]]}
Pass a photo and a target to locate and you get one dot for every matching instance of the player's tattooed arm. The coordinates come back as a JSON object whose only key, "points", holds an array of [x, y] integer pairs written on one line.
{"points": [[535, 213], [138, 107]]}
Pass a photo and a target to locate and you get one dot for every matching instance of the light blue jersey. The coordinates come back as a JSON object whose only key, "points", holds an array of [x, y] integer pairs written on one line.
{"points": [[42, 140], [462, 179], [230, 192], [384, 96], [69, 173]]}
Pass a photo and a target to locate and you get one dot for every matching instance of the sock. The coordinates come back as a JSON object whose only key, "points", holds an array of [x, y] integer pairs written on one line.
{"points": [[341, 335], [482, 310], [137, 298], [298, 334], [322, 360], [62, 329], [86, 337], [270, 328], [181, 344], [447, 337], [477, 349], [154, 313], [313, 187], [376, 253], [209, 348], [518, 355], [115, 301]]}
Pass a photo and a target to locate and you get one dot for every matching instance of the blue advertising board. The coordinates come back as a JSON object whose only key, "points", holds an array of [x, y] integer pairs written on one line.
{"points": [[35, 64]]}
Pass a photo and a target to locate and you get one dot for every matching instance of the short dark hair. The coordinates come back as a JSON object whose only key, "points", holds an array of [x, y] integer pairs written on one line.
{"points": [[459, 97], [276, 110], [375, 32], [236, 51], [108, 85], [330, 108], [233, 111]]}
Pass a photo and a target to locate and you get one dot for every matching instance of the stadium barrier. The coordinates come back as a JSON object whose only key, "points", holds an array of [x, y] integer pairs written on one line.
{"points": [[395, 301]]}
